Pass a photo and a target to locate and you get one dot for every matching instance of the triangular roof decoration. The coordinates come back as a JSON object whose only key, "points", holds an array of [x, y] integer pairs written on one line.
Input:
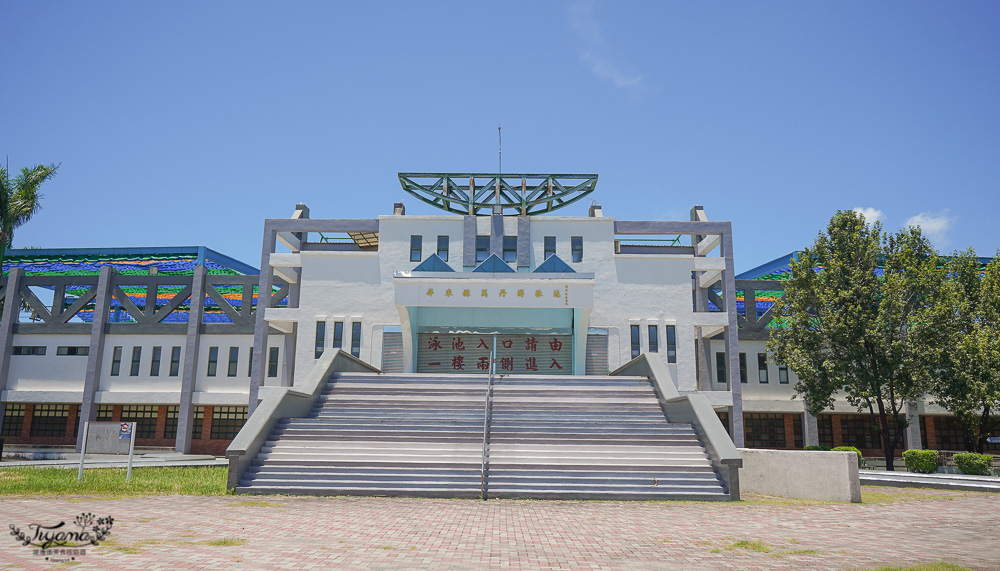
{"points": [[553, 264], [433, 263], [494, 265]]}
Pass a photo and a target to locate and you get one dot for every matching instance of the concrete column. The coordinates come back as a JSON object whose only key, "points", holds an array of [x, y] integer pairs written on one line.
{"points": [[185, 411], [11, 305], [810, 430], [524, 241], [911, 438], [731, 335], [469, 241], [496, 235], [95, 358], [291, 341], [260, 329]]}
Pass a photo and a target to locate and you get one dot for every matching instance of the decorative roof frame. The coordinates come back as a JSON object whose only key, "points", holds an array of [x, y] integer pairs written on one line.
{"points": [[514, 194]]}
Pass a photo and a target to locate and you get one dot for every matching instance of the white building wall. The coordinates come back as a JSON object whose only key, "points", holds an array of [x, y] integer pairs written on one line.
{"points": [[48, 372]]}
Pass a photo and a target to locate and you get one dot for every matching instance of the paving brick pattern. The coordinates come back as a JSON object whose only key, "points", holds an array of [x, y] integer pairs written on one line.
{"points": [[168, 532]]}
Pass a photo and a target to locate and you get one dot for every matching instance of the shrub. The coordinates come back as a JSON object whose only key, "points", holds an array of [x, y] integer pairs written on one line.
{"points": [[817, 447], [921, 461], [861, 459], [974, 464]]}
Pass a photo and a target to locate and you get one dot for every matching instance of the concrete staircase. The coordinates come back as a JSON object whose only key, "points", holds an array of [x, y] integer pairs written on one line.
{"points": [[422, 435], [592, 438], [379, 435]]}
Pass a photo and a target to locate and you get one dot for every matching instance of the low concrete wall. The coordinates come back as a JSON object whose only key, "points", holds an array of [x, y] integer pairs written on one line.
{"points": [[807, 474]]}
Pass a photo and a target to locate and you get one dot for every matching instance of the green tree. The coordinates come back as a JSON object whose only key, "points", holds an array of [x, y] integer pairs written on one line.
{"points": [[19, 200], [967, 322], [856, 326]]}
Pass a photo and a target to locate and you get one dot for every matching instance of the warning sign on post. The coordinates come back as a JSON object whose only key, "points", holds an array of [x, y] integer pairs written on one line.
{"points": [[125, 432]]}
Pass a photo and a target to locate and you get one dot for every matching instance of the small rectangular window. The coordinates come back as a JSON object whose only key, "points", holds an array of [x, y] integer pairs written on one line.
{"points": [[550, 247], [671, 343], [116, 360], [510, 248], [356, 339], [576, 245], [338, 335], [250, 362], [234, 361], [73, 351], [213, 360], [154, 364], [136, 357], [320, 338], [654, 341], [416, 247], [720, 368], [635, 340], [28, 350], [482, 248], [762, 368], [175, 361], [272, 362], [443, 248], [783, 374], [743, 367]]}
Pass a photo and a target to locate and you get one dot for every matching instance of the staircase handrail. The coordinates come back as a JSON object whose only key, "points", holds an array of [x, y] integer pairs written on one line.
{"points": [[486, 416], [285, 402]]}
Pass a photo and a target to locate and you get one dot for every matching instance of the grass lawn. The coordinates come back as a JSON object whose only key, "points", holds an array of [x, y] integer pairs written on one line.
{"points": [[184, 480]]}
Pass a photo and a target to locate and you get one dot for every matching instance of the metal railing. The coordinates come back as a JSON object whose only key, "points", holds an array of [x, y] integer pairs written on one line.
{"points": [[486, 418]]}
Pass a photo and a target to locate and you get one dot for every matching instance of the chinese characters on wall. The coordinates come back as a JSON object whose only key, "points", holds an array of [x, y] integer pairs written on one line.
{"points": [[521, 354]]}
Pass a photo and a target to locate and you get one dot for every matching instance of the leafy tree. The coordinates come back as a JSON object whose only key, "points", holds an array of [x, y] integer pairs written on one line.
{"points": [[967, 321], [856, 326], [19, 200]]}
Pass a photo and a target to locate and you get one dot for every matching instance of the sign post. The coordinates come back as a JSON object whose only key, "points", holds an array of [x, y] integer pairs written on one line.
{"points": [[108, 438]]}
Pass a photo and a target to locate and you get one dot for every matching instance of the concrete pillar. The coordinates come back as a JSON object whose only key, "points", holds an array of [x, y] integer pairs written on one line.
{"points": [[911, 438], [95, 358], [810, 430], [189, 369], [260, 329], [496, 235], [731, 337], [11, 305], [469, 241]]}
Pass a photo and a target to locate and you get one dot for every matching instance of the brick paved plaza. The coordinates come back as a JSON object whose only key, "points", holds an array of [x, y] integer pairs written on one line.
{"points": [[173, 532]]}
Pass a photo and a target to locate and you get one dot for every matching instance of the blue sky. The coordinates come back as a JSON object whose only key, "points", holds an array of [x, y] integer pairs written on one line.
{"points": [[183, 123]]}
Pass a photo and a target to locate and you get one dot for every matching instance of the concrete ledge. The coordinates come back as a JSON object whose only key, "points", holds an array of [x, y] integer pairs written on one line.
{"points": [[811, 475]]}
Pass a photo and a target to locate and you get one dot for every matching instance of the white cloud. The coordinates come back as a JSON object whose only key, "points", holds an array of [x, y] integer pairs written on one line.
{"points": [[594, 49], [934, 226], [870, 214]]}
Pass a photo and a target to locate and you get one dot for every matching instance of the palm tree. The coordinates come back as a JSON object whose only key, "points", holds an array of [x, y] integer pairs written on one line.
{"points": [[19, 199]]}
